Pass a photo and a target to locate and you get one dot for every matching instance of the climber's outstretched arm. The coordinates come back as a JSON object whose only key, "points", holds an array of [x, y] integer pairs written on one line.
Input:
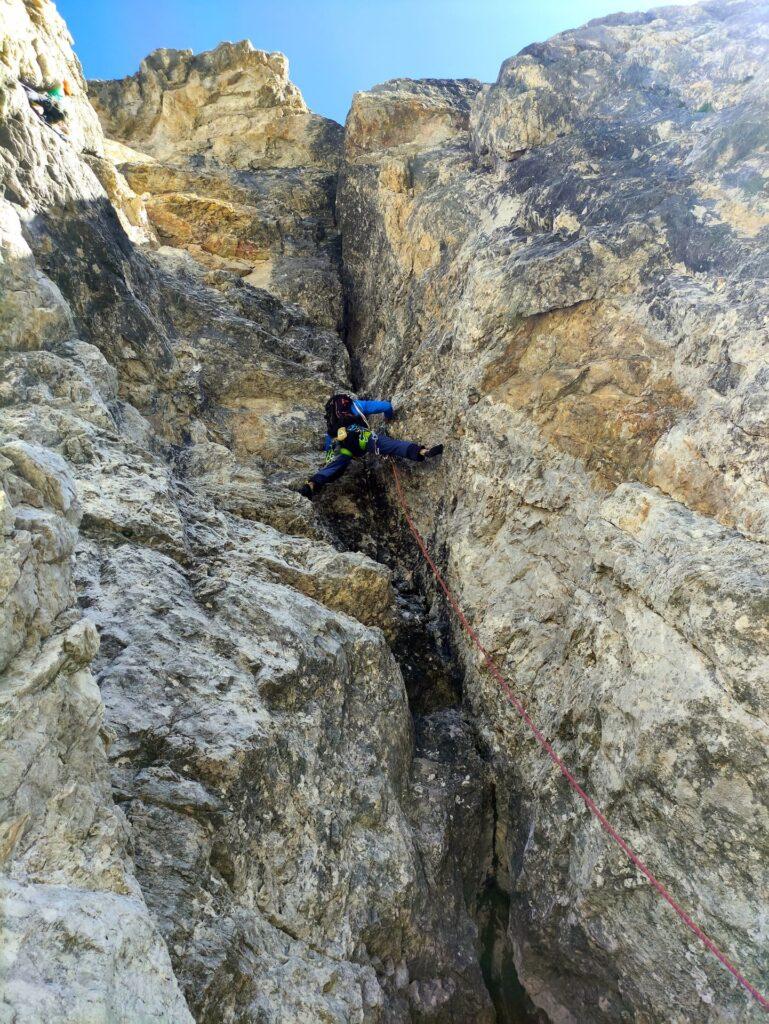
{"points": [[369, 408]]}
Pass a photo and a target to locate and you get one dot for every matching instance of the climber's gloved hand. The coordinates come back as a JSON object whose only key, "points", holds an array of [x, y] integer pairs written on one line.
{"points": [[307, 490], [391, 415]]}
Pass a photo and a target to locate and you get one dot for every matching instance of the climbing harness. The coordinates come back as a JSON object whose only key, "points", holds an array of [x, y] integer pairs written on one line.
{"points": [[351, 441], [509, 693]]}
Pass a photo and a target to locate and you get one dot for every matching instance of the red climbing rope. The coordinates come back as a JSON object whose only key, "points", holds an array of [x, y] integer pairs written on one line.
{"points": [[548, 748]]}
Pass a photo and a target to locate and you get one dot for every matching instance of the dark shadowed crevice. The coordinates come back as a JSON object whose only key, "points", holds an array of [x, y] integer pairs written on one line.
{"points": [[361, 516], [511, 1003]]}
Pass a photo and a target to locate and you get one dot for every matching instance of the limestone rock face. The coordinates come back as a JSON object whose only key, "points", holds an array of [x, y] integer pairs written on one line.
{"points": [[37, 48], [407, 113], [569, 286], [129, 207], [274, 228], [214, 805], [232, 167], [78, 941], [234, 105], [219, 799]]}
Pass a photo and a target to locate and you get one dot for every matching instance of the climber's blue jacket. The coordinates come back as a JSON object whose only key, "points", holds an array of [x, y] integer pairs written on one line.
{"points": [[366, 408]]}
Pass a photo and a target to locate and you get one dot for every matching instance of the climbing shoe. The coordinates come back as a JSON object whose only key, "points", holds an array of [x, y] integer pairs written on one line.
{"points": [[307, 491], [437, 449]]}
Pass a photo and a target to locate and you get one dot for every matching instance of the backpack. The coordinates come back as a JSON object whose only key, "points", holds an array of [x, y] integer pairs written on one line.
{"points": [[52, 112], [340, 412]]}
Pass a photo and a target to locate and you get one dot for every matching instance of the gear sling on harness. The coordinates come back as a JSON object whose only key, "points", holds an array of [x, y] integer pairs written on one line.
{"points": [[352, 441], [545, 744]]}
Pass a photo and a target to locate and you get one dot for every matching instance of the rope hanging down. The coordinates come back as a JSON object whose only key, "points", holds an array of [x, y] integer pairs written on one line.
{"points": [[494, 671]]}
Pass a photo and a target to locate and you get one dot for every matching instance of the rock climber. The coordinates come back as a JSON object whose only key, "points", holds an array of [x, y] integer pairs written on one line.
{"points": [[48, 105], [349, 436]]}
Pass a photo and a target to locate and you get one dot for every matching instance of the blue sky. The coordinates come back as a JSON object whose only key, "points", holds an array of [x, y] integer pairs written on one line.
{"points": [[335, 47]]}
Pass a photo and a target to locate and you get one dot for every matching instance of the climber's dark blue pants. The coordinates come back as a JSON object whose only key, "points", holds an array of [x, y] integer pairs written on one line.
{"points": [[382, 445]]}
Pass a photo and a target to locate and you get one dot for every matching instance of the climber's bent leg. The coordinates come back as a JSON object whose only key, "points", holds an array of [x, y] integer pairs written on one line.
{"points": [[400, 449], [332, 471]]}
